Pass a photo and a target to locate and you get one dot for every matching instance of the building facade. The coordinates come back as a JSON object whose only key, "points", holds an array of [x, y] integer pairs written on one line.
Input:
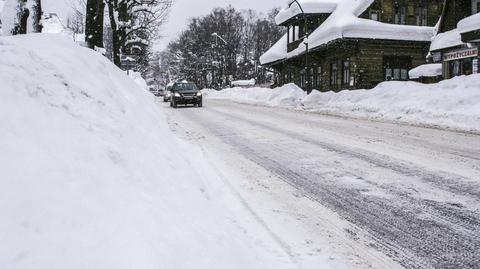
{"points": [[457, 43], [353, 47]]}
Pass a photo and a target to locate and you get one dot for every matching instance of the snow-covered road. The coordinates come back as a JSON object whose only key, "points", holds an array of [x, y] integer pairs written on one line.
{"points": [[344, 192]]}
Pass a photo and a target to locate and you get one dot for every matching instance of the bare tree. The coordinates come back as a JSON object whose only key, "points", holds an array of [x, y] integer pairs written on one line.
{"points": [[135, 23]]}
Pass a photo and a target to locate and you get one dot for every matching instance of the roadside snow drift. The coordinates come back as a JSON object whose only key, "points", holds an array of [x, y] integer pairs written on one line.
{"points": [[453, 103], [92, 177]]}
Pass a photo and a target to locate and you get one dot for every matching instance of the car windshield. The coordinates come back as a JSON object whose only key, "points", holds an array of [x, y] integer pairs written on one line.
{"points": [[186, 87]]}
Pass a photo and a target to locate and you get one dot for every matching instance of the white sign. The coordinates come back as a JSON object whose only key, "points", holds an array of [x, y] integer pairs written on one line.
{"points": [[475, 66], [460, 54]]}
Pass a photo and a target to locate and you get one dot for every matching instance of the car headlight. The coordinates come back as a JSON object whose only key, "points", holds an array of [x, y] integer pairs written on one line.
{"points": [[199, 94], [176, 94]]}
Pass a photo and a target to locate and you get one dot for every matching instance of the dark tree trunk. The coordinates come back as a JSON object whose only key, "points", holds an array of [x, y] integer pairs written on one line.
{"points": [[22, 27], [115, 34], [94, 23], [37, 16]]}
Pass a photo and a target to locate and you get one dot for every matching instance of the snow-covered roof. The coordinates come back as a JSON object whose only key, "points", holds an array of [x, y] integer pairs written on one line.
{"points": [[426, 70], [345, 23], [309, 6], [445, 40], [276, 52], [469, 24]]}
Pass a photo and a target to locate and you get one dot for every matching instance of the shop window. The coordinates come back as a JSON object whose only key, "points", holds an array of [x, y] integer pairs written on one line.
{"points": [[460, 67], [346, 72], [400, 14], [375, 15], [421, 15], [333, 74], [396, 68], [318, 80]]}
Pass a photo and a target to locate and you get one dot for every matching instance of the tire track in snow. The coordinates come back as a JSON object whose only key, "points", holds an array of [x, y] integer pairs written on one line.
{"points": [[394, 230]]}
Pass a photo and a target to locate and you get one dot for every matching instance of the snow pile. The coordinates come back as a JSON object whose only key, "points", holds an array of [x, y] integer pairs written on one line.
{"points": [[345, 23], [137, 77], [426, 70], [92, 176], [288, 95], [449, 104], [52, 24], [243, 83], [469, 24]]}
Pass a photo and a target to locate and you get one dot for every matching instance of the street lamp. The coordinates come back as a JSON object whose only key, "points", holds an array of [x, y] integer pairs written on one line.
{"points": [[217, 36], [305, 40]]}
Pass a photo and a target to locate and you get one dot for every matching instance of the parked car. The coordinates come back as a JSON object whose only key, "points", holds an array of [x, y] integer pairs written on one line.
{"points": [[186, 93], [167, 96]]}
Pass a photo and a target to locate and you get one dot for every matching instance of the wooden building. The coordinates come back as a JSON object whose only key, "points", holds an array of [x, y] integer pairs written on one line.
{"points": [[352, 44], [457, 43]]}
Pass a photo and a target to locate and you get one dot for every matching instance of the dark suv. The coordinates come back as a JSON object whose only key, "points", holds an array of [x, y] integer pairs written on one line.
{"points": [[185, 93]]}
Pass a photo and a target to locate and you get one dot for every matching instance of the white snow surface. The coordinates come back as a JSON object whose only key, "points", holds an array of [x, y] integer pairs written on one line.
{"points": [[345, 23], [250, 82], [289, 95], [93, 177], [137, 77], [426, 70], [292, 9], [447, 39], [449, 104], [52, 24], [469, 24]]}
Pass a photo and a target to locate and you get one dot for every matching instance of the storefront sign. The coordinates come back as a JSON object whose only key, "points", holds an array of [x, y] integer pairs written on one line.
{"points": [[460, 54]]}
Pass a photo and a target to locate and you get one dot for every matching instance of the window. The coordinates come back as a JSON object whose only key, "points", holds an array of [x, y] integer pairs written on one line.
{"points": [[311, 81], [346, 72], [375, 15], [421, 16], [293, 32], [396, 67], [400, 14], [318, 79], [333, 74], [302, 79]]}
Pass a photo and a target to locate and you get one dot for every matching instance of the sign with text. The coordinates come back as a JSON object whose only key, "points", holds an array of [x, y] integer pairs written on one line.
{"points": [[460, 54]]}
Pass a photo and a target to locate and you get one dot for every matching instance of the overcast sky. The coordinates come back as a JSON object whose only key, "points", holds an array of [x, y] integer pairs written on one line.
{"points": [[185, 9], [181, 11]]}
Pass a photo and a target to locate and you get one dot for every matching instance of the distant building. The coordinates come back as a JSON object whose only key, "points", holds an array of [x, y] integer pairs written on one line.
{"points": [[352, 43], [457, 43]]}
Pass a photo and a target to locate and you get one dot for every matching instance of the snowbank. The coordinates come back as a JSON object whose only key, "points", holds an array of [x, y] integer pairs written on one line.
{"points": [[449, 104], [244, 83], [288, 95], [137, 77], [92, 176]]}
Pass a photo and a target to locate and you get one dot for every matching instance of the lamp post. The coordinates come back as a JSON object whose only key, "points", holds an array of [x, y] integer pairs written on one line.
{"points": [[217, 37], [305, 41]]}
